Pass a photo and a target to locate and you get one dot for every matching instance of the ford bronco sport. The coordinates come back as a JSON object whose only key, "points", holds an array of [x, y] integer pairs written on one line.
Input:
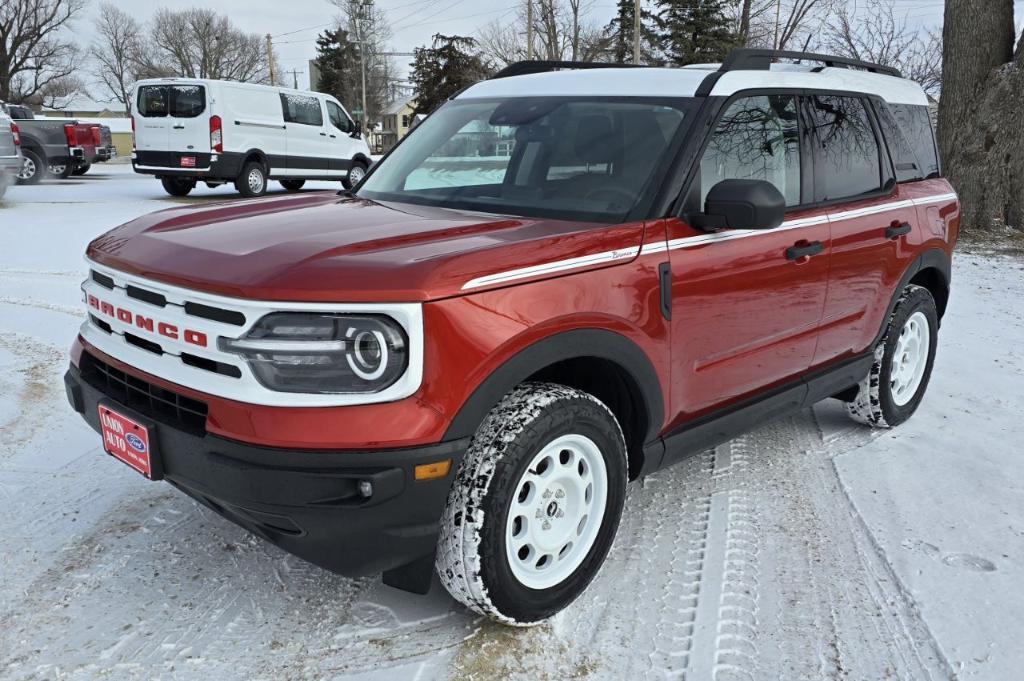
{"points": [[564, 279]]}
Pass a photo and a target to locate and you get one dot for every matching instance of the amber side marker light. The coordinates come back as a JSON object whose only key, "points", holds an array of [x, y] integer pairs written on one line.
{"points": [[433, 471]]}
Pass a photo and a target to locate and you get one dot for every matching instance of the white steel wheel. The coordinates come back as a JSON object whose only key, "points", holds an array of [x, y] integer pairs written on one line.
{"points": [[909, 359], [556, 512], [255, 180], [355, 174]]}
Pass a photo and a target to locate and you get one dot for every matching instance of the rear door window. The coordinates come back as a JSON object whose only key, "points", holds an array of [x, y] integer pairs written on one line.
{"points": [[179, 101], [302, 109], [848, 159]]}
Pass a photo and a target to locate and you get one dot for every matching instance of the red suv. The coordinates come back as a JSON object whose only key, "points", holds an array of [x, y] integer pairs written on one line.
{"points": [[564, 279]]}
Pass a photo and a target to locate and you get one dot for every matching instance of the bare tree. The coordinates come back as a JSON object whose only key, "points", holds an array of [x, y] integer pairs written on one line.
{"points": [[981, 112], [783, 24], [878, 34], [38, 55], [199, 43], [368, 24], [116, 51], [562, 29]]}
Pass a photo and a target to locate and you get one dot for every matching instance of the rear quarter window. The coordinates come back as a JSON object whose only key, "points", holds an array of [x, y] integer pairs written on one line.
{"points": [[918, 158], [302, 109]]}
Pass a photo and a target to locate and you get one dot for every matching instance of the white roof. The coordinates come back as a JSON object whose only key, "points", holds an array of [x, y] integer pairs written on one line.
{"points": [[684, 82]]}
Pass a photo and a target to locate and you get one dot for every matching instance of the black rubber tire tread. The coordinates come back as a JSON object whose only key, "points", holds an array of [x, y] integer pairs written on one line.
{"points": [[176, 186], [873, 405], [471, 560], [292, 185]]}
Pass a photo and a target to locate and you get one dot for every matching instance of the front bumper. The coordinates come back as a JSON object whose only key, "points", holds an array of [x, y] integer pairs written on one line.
{"points": [[307, 502]]}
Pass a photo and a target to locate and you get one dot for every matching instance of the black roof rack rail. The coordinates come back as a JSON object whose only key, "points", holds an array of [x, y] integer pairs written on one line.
{"points": [[748, 59], [522, 68]]}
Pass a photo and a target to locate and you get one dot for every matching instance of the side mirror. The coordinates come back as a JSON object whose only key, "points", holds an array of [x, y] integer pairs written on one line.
{"points": [[741, 204]]}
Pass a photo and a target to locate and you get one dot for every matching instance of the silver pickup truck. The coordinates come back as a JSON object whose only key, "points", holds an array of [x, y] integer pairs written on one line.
{"points": [[10, 154]]}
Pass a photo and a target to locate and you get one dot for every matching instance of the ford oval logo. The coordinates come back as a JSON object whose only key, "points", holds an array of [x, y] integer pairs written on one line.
{"points": [[136, 442]]}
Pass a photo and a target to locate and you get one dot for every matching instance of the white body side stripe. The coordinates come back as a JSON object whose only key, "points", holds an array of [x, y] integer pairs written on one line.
{"points": [[691, 241]]}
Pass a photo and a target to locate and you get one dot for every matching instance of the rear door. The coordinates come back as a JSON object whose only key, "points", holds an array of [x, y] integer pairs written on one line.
{"points": [[308, 152], [745, 309], [871, 217], [189, 119], [152, 127]]}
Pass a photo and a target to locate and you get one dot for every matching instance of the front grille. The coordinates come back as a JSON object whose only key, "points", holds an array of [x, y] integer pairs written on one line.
{"points": [[163, 406]]}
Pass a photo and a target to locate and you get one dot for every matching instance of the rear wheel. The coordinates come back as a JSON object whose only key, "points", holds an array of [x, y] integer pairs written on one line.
{"points": [[82, 169], [32, 166], [535, 506], [292, 185], [356, 172], [61, 170], [178, 186], [893, 389], [252, 181]]}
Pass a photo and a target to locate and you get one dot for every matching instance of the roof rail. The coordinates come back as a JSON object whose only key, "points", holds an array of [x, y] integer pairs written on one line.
{"points": [[761, 60], [522, 68]]}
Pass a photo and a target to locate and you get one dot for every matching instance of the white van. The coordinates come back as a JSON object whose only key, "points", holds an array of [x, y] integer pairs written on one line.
{"points": [[216, 131]]}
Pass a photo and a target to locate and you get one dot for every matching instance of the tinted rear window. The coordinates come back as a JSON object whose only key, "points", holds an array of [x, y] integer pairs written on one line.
{"points": [[848, 151], [180, 101]]}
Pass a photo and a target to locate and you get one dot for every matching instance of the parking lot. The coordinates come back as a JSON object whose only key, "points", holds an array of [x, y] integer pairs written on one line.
{"points": [[812, 548]]}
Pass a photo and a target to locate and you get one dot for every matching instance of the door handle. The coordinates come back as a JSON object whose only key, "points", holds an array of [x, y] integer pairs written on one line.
{"points": [[896, 231], [333, 136], [323, 134], [798, 251], [179, 127]]}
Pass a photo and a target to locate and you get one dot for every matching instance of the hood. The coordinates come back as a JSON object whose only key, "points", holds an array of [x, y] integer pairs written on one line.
{"points": [[319, 247]]}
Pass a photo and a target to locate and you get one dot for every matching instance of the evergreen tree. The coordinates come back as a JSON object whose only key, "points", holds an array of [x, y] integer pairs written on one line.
{"points": [[619, 34], [338, 60], [441, 71], [696, 31]]}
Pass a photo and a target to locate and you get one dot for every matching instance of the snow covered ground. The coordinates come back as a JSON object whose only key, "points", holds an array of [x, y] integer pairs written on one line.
{"points": [[810, 549]]}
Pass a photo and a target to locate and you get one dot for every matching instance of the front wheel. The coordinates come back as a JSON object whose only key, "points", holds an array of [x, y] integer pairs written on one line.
{"points": [[535, 506], [177, 186], [355, 175], [252, 181], [896, 383]]}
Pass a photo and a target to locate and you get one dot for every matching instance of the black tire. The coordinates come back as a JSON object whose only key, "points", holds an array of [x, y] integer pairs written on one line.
{"points": [[355, 173], [82, 169], [62, 171], [875, 403], [252, 181], [178, 186], [472, 560], [32, 168], [292, 185]]}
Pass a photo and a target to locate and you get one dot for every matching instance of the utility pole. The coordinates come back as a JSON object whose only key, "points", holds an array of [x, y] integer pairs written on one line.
{"points": [[361, 26], [778, 20], [295, 78], [529, 30], [636, 31], [270, 59]]}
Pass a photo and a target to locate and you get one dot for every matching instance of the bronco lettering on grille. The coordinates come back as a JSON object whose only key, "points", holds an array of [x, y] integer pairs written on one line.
{"points": [[148, 323]]}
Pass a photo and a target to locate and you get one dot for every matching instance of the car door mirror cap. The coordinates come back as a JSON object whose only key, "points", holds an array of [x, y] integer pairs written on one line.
{"points": [[741, 204]]}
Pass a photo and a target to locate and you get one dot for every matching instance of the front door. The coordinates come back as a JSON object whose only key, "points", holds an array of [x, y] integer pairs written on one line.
{"points": [[342, 145], [746, 305]]}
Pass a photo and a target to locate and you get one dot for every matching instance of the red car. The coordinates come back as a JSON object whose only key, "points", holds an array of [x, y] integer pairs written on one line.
{"points": [[564, 279]]}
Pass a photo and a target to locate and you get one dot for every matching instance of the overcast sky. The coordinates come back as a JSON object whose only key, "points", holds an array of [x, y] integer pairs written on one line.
{"points": [[296, 23]]}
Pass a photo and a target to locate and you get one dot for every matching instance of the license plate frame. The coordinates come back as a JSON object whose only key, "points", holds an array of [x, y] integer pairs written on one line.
{"points": [[130, 439], [187, 162]]}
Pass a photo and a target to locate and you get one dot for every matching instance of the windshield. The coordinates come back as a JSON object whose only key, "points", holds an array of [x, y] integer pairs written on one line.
{"points": [[568, 158]]}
